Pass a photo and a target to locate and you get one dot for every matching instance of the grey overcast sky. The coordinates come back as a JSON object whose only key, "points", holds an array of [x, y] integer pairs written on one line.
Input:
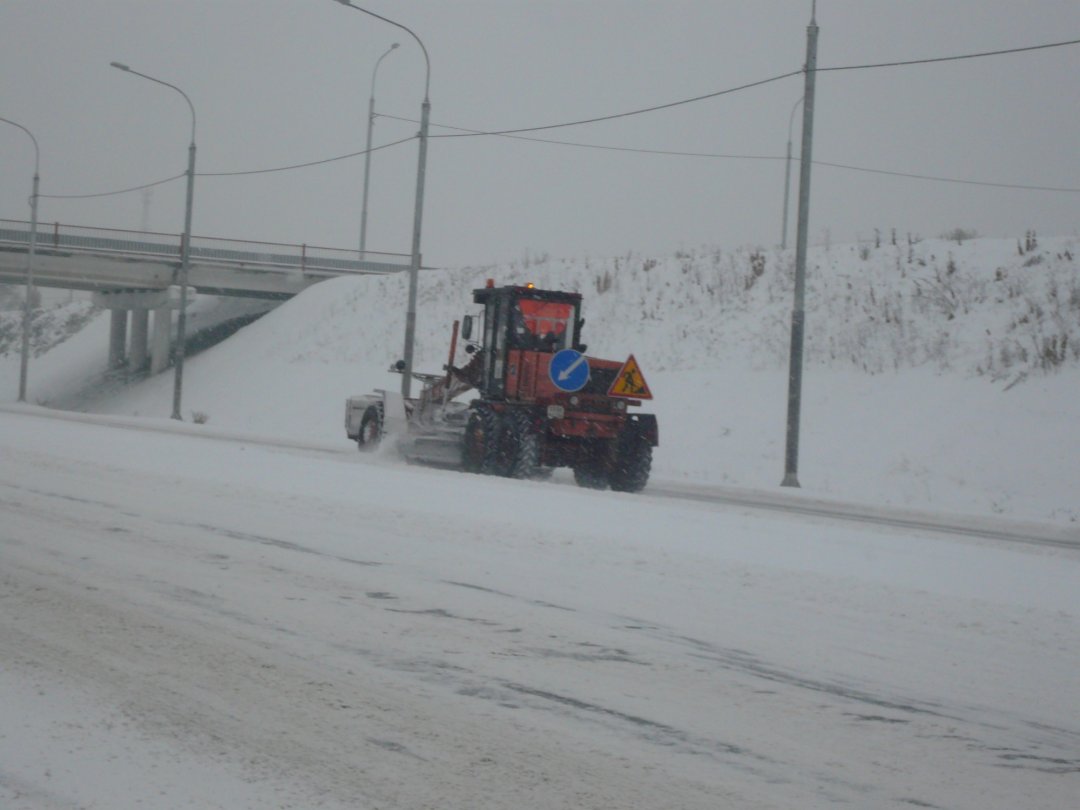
{"points": [[280, 82]]}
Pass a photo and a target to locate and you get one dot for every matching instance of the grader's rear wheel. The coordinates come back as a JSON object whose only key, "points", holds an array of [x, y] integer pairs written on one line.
{"points": [[524, 445], [592, 470], [503, 444], [633, 462]]}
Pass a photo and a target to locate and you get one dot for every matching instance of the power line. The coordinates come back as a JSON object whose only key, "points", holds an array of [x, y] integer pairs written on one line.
{"points": [[629, 113], [716, 155], [226, 174], [952, 58], [961, 181], [718, 93], [602, 147], [309, 163], [516, 133], [111, 193]]}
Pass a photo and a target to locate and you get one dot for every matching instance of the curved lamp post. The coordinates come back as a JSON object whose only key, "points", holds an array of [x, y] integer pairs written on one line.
{"points": [[24, 360], [418, 213], [185, 243], [367, 150]]}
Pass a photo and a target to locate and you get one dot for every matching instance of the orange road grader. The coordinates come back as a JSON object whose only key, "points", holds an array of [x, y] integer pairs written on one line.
{"points": [[540, 401]]}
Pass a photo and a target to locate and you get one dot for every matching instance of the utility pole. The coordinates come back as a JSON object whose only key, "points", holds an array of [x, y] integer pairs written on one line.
{"points": [[787, 176], [418, 210], [414, 266], [185, 244], [367, 153], [27, 315], [798, 313]]}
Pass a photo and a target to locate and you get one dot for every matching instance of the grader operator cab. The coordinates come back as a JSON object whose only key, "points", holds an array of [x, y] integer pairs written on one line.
{"points": [[541, 402]]}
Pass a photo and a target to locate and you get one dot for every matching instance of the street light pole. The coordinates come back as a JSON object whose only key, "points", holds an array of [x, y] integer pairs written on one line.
{"points": [[367, 152], [24, 357], [798, 313], [787, 174], [418, 212], [185, 246]]}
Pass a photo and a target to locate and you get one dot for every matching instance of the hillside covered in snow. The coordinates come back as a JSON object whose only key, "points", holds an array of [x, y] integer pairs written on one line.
{"points": [[941, 374]]}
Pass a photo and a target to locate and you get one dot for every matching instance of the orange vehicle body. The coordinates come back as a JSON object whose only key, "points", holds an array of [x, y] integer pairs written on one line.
{"points": [[540, 402], [587, 427]]}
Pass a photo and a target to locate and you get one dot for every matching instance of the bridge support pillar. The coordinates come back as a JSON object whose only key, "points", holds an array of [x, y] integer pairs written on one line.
{"points": [[117, 337], [143, 343], [138, 350], [159, 341]]}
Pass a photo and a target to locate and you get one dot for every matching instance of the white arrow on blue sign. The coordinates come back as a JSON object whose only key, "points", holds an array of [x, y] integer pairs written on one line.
{"points": [[569, 370]]}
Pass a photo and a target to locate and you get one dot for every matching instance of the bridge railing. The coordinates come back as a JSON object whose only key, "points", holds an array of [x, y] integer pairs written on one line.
{"points": [[269, 256]]}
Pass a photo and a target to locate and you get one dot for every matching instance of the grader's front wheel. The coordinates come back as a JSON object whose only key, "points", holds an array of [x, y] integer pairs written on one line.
{"points": [[484, 449], [371, 428]]}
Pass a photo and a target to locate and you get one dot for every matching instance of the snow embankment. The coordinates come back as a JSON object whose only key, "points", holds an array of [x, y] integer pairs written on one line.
{"points": [[941, 375]]}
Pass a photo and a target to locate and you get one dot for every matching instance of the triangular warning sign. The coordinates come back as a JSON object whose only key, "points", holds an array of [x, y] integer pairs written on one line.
{"points": [[630, 382]]}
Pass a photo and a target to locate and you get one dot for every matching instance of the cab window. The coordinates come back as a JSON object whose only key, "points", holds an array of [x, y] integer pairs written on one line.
{"points": [[542, 325]]}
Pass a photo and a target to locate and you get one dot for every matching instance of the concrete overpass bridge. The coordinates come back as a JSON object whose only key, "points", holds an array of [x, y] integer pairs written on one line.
{"points": [[134, 273]]}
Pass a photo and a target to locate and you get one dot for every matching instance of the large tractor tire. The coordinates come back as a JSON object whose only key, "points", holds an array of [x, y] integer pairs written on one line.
{"points": [[371, 428], [633, 462], [523, 444], [591, 471], [591, 476], [486, 449], [472, 448]]}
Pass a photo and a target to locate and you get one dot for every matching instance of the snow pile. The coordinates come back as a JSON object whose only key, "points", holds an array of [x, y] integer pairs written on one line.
{"points": [[979, 306], [940, 374]]}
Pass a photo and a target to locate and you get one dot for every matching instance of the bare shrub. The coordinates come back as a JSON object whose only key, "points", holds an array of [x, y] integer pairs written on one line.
{"points": [[960, 235]]}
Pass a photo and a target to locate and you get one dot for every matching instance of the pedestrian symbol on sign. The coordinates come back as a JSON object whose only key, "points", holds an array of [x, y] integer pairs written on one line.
{"points": [[630, 382]]}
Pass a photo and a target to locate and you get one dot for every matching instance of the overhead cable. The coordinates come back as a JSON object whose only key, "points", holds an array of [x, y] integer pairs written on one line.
{"points": [[952, 58], [602, 147], [111, 193], [723, 156], [750, 85], [309, 163], [226, 174], [961, 181], [467, 133], [627, 114]]}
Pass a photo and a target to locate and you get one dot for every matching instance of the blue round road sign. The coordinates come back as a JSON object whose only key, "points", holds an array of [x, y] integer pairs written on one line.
{"points": [[569, 370]]}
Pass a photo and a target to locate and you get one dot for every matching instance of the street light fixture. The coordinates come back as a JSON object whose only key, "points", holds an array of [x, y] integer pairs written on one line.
{"points": [[185, 244], [24, 359], [367, 151], [418, 213]]}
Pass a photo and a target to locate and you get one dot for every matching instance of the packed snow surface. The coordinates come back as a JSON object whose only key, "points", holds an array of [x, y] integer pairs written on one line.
{"points": [[247, 613], [210, 623]]}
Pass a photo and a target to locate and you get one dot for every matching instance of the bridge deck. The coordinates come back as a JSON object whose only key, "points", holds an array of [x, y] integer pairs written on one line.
{"points": [[79, 257]]}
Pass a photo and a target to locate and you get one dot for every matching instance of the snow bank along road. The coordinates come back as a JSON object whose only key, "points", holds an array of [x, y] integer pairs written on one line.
{"points": [[186, 622]]}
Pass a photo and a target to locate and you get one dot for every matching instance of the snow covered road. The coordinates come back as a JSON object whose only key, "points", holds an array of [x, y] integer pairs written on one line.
{"points": [[195, 623]]}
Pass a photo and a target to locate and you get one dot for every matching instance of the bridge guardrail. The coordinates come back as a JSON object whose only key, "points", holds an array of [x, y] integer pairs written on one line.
{"points": [[228, 252]]}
